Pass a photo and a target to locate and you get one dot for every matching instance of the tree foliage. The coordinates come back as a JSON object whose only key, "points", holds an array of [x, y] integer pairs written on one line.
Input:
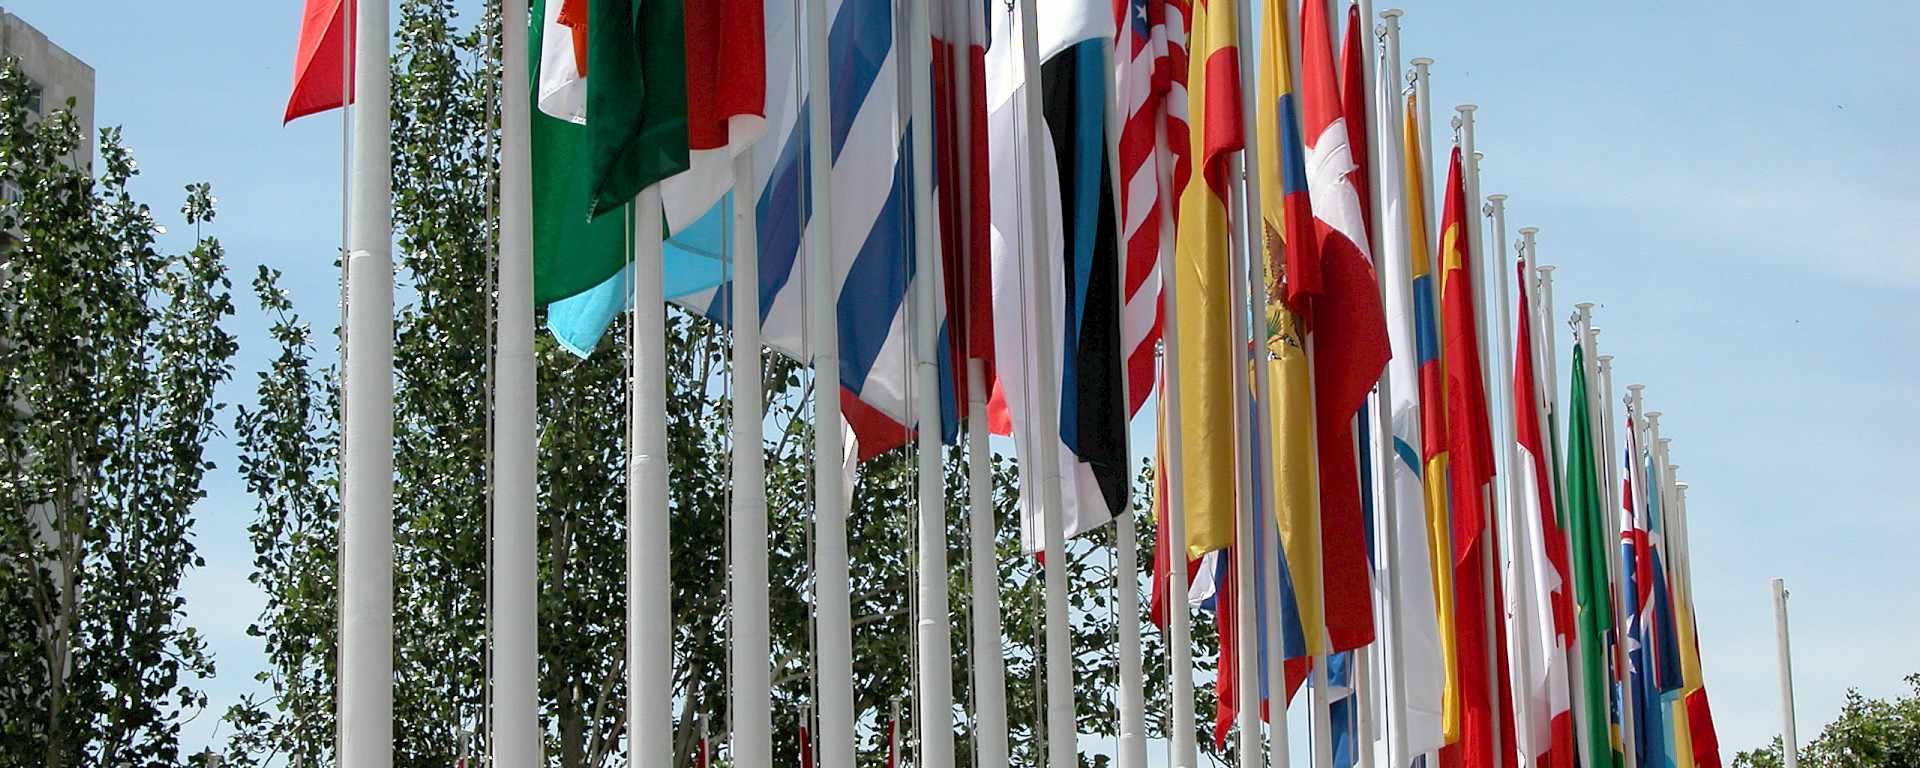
{"points": [[1870, 733], [110, 351]]}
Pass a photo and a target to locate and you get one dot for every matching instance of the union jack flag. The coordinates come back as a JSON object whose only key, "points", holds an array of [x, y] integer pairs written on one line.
{"points": [[1150, 65]]}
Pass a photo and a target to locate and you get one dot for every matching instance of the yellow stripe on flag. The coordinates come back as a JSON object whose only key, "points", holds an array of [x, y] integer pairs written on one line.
{"points": [[1203, 333]]}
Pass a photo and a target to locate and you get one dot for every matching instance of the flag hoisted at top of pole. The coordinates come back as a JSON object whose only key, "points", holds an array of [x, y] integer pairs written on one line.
{"points": [[1346, 325], [1540, 554], [1207, 403], [323, 63], [1150, 64], [1419, 660]]}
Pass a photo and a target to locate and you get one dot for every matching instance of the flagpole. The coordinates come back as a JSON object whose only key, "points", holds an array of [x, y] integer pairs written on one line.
{"points": [[1789, 741], [934, 720], [1605, 363], [1246, 676], [752, 717], [1183, 744], [1394, 667], [515, 719], [366, 526], [1132, 682], [1385, 136], [1490, 513], [649, 572], [832, 576], [989, 664], [1506, 357], [1319, 716], [1255, 444], [1422, 85], [1591, 753], [990, 747], [1062, 730]]}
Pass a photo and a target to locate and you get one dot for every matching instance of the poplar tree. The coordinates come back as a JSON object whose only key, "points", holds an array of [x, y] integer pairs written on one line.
{"points": [[110, 351]]}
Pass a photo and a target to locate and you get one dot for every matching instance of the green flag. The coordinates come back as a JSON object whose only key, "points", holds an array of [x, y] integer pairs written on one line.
{"points": [[571, 253], [1593, 597], [636, 97]]}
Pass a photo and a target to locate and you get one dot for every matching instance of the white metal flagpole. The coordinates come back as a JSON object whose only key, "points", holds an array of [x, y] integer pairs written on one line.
{"points": [[1613, 484], [934, 720], [1183, 742], [989, 664], [366, 527], [515, 718], [1517, 606], [752, 717], [990, 746], [1790, 742], [1062, 737], [1253, 438], [1132, 682], [832, 573], [649, 567]]}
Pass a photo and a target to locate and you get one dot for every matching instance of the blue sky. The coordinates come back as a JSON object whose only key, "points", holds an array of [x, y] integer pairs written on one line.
{"points": [[1731, 183]]}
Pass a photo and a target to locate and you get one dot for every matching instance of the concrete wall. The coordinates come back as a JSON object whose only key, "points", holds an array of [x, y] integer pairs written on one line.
{"points": [[59, 74]]}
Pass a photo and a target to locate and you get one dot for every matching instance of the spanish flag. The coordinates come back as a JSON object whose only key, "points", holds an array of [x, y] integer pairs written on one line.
{"points": [[1203, 336]]}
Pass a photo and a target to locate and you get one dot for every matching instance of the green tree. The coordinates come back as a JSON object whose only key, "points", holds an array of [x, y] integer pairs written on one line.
{"points": [[444, 203], [1870, 733], [110, 351]]}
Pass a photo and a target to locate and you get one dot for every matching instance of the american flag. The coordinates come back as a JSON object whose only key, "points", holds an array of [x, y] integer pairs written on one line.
{"points": [[1150, 65]]}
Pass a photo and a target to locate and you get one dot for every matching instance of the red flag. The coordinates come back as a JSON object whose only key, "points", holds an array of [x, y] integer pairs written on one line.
{"points": [[1552, 574], [1480, 636], [1348, 328], [1706, 743], [323, 64]]}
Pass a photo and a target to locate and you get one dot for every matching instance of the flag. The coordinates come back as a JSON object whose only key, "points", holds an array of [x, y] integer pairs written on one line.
{"points": [[1150, 74], [1094, 403], [1642, 693], [1201, 252], [1347, 327], [1421, 655], [571, 252], [1592, 592], [964, 188], [323, 60], [1544, 585], [1290, 255], [1434, 466], [1080, 261], [637, 129], [1485, 699], [872, 226], [726, 109]]}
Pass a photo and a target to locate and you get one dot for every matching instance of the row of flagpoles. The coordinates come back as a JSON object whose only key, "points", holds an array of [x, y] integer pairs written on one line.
{"points": [[1029, 219]]}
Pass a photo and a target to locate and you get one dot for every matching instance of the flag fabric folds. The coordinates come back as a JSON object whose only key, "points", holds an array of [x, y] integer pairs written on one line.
{"points": [[323, 61], [1485, 699], [1421, 656], [1540, 558], [637, 132], [1289, 253], [1346, 327], [1589, 550], [1208, 404], [1080, 261], [1150, 73]]}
